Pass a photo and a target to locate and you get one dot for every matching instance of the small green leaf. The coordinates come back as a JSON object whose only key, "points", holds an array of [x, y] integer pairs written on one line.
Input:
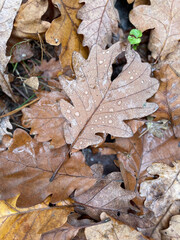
{"points": [[137, 33], [134, 40]]}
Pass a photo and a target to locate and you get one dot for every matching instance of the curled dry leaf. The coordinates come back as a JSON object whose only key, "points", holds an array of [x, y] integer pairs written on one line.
{"points": [[139, 2], [160, 193], [8, 10], [101, 106], [112, 229], [99, 21], [30, 223], [163, 17], [27, 166], [45, 118], [173, 231], [63, 30], [4, 124], [28, 21], [168, 98]]}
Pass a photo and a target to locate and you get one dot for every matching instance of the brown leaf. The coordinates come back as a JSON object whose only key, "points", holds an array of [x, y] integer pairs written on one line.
{"points": [[168, 98], [45, 118], [101, 106], [22, 51], [163, 17], [160, 193], [137, 154], [100, 20], [63, 30], [32, 82], [27, 166], [28, 21], [8, 10], [30, 223], [4, 124], [173, 231], [112, 229], [139, 2]]}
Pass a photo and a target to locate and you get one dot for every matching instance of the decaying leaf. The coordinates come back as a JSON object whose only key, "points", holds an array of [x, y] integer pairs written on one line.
{"points": [[21, 51], [168, 98], [139, 2], [45, 118], [27, 166], [112, 229], [63, 30], [163, 17], [100, 20], [28, 23], [173, 231], [101, 106], [160, 193], [32, 82], [8, 10], [30, 223], [4, 124]]}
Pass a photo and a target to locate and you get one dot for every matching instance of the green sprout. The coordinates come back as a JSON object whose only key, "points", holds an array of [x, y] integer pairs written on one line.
{"points": [[135, 38]]}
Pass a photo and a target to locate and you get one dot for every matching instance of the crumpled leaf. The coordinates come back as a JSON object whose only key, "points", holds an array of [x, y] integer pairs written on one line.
{"points": [[139, 2], [101, 106], [45, 118], [64, 30], [160, 193], [99, 21], [112, 229], [168, 98], [30, 223], [173, 231], [163, 17], [27, 166], [4, 124], [8, 10], [28, 21]]}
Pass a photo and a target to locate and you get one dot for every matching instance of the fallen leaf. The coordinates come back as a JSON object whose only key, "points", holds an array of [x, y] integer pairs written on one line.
{"points": [[160, 193], [21, 51], [168, 98], [32, 82], [139, 2], [28, 23], [112, 229], [45, 118], [27, 166], [101, 106], [99, 21], [30, 223], [4, 125], [173, 231], [8, 10], [67, 24], [165, 31]]}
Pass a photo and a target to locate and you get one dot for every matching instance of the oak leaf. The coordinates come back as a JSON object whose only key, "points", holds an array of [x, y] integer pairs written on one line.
{"points": [[163, 17], [45, 118], [101, 106], [28, 23], [63, 30], [168, 98], [30, 223], [173, 231], [27, 166], [160, 193], [8, 11], [112, 229], [139, 2], [99, 21]]}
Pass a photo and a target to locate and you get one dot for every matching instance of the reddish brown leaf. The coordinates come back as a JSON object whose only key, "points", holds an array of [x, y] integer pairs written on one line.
{"points": [[27, 166], [45, 118], [100, 20], [101, 106], [21, 52]]}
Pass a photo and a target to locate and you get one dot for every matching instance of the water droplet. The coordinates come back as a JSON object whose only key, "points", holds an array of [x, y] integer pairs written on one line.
{"points": [[106, 116], [102, 121], [77, 114], [136, 73], [56, 40], [142, 81], [81, 143], [103, 53], [86, 92], [96, 120], [68, 111], [107, 51], [100, 118], [100, 109], [131, 77], [105, 65], [110, 121], [92, 128], [111, 110], [100, 62], [119, 102], [129, 72]]}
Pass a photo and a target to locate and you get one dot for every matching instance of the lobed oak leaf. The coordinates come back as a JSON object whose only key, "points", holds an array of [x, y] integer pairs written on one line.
{"points": [[160, 193], [27, 166], [8, 11], [30, 223], [163, 18], [45, 118], [101, 106], [173, 231], [99, 21], [63, 30], [168, 98]]}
